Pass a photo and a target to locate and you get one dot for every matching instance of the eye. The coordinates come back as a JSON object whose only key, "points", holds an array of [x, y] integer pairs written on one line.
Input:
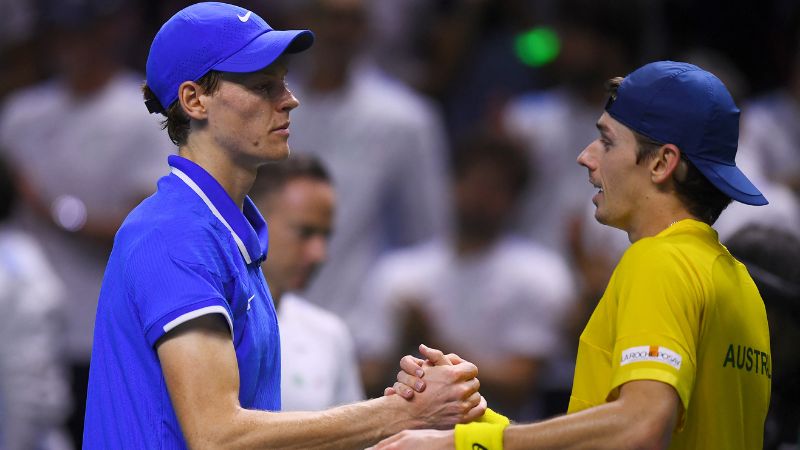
{"points": [[273, 89], [304, 233]]}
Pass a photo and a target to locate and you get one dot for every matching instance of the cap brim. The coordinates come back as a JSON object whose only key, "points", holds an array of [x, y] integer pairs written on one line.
{"points": [[731, 181], [265, 49]]}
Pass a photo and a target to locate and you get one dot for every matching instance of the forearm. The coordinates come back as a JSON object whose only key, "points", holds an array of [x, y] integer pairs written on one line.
{"points": [[608, 426], [352, 426]]}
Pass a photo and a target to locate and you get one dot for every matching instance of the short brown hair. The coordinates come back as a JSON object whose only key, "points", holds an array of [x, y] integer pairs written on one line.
{"points": [[177, 122], [273, 176], [701, 198]]}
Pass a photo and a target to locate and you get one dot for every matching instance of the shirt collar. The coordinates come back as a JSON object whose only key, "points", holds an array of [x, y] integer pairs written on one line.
{"points": [[247, 227]]}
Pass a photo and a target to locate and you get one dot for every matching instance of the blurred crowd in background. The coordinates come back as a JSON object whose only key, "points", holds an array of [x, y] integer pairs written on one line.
{"points": [[450, 130]]}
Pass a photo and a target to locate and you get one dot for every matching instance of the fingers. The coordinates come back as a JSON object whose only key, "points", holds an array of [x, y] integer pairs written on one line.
{"points": [[473, 386], [466, 370], [403, 390], [389, 391], [476, 412], [411, 381], [412, 366], [434, 356], [455, 359]]}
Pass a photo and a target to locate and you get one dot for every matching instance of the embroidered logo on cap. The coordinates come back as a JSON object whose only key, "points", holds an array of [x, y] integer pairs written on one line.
{"points": [[651, 353]]}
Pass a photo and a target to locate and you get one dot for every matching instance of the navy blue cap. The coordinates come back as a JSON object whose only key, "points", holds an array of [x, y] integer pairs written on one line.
{"points": [[214, 36], [682, 104]]}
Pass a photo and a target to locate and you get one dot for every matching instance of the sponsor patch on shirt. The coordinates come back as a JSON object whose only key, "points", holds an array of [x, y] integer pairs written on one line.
{"points": [[651, 353]]}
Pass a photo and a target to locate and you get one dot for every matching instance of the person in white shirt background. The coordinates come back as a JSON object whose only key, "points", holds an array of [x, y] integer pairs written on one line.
{"points": [[34, 392], [485, 292], [66, 137], [318, 364]]}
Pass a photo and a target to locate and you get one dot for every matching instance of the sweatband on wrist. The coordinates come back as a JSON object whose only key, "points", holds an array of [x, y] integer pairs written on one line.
{"points": [[493, 417], [479, 436]]}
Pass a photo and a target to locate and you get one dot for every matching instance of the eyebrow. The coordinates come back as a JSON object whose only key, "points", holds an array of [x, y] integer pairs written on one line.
{"points": [[604, 130]]}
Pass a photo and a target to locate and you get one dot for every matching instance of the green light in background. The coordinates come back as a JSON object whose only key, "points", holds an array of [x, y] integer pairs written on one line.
{"points": [[537, 47]]}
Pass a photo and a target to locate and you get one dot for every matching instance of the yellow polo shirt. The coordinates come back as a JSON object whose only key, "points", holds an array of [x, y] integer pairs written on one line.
{"points": [[681, 310]]}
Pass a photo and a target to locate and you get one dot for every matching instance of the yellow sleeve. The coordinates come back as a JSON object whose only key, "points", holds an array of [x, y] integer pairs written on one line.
{"points": [[660, 298]]}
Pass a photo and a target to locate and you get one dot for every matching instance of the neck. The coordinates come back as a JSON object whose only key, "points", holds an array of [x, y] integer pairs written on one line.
{"points": [[234, 179], [658, 219], [469, 244]]}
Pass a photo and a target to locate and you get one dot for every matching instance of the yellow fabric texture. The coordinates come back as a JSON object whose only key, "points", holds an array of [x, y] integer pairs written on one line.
{"points": [[491, 416], [681, 310], [484, 433], [479, 436]]}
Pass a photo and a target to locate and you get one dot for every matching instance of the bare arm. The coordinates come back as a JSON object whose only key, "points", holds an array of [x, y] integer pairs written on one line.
{"points": [[201, 372], [642, 418]]}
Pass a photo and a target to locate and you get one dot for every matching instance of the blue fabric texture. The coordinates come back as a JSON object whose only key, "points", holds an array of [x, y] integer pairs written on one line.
{"points": [[174, 260]]}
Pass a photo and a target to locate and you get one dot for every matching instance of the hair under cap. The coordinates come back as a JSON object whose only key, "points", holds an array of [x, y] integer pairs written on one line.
{"points": [[682, 104]]}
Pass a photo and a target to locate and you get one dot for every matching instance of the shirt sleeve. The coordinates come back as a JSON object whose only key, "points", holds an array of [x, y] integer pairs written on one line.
{"points": [[168, 291], [660, 302]]}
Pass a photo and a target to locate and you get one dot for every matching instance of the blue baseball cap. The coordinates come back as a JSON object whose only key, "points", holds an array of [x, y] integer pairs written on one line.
{"points": [[214, 36], [682, 104]]}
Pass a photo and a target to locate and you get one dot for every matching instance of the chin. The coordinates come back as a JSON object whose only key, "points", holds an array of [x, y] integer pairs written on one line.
{"points": [[278, 153]]}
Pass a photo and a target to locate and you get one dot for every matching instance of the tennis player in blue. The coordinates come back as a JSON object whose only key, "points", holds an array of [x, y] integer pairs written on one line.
{"points": [[186, 345]]}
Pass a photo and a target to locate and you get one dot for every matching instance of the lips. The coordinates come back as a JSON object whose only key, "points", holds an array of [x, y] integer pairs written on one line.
{"points": [[284, 126]]}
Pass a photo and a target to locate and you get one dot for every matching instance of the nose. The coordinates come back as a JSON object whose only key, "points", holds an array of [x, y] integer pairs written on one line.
{"points": [[289, 102], [586, 158], [317, 249]]}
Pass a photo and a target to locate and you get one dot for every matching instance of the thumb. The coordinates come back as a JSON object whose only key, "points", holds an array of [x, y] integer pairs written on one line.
{"points": [[436, 357]]}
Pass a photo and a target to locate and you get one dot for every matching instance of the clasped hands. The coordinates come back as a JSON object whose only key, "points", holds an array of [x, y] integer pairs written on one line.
{"points": [[445, 388]]}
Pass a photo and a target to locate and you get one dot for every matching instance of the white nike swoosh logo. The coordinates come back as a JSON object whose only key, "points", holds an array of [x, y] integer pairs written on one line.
{"points": [[248, 301], [244, 18]]}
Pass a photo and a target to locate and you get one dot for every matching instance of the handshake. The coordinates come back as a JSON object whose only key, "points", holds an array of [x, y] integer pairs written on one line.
{"points": [[442, 392]]}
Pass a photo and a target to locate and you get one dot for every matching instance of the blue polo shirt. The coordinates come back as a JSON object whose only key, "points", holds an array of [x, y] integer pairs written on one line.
{"points": [[184, 252]]}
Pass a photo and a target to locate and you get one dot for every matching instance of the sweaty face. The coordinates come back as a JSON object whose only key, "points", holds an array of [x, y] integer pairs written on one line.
{"points": [[300, 219], [621, 183], [249, 114]]}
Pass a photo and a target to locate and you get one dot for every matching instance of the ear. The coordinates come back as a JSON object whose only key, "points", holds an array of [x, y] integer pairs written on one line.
{"points": [[665, 164], [190, 94]]}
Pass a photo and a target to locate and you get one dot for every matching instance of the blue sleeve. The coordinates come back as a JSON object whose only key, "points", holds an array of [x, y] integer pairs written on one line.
{"points": [[167, 290]]}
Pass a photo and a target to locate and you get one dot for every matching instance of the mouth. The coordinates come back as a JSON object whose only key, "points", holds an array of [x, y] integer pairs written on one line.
{"points": [[282, 127], [597, 186]]}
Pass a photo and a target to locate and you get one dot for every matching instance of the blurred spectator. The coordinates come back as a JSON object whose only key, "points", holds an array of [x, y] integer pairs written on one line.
{"points": [[556, 124], [319, 369], [460, 52], [87, 152], [770, 134], [383, 144], [765, 130], [34, 393], [485, 294], [18, 56], [597, 40], [771, 256]]}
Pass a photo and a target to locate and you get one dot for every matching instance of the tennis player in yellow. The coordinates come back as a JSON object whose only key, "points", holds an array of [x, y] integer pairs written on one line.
{"points": [[679, 309], [676, 354]]}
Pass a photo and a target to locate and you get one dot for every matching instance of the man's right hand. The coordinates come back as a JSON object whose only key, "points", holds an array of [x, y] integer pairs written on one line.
{"points": [[442, 389]]}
